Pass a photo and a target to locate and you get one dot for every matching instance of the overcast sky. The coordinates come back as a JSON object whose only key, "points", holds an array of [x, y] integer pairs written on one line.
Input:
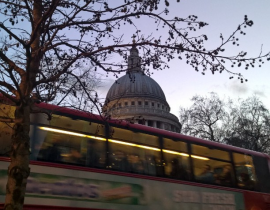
{"points": [[181, 82]]}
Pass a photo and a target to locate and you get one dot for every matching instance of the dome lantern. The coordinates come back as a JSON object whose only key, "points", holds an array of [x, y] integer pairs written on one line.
{"points": [[134, 61]]}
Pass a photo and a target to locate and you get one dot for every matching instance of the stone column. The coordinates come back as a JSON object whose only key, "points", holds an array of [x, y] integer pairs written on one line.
{"points": [[162, 126], [154, 123]]}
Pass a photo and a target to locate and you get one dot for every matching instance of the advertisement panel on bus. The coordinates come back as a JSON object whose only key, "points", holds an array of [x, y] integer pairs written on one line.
{"points": [[65, 187]]}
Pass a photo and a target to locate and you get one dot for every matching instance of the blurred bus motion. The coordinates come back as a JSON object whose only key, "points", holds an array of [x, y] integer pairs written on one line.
{"points": [[81, 161]]}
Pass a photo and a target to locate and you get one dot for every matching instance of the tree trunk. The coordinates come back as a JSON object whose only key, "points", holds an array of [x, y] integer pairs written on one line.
{"points": [[18, 170]]}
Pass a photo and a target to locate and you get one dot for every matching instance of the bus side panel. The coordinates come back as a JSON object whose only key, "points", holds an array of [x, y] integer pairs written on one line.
{"points": [[40, 207], [74, 188], [256, 201]]}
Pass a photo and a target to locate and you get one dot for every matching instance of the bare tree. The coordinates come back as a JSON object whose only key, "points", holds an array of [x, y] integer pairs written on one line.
{"points": [[244, 124], [71, 94], [204, 118], [248, 125], [44, 42]]}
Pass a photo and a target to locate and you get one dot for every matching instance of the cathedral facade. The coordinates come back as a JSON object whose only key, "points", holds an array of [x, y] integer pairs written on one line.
{"points": [[138, 98]]}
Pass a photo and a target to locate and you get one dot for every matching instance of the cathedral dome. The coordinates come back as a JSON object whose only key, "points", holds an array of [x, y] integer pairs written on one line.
{"points": [[137, 97], [136, 84]]}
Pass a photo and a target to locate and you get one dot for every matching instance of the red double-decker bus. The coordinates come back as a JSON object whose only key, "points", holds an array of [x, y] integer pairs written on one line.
{"points": [[80, 161]]}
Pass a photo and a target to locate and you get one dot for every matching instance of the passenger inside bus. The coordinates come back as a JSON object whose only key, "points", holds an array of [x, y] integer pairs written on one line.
{"points": [[225, 177], [120, 162], [206, 175], [92, 157], [136, 164], [75, 157], [246, 182], [159, 166], [150, 165], [142, 160], [178, 171], [50, 153]]}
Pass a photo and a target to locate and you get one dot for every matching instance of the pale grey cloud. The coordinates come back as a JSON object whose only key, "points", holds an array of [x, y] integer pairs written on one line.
{"points": [[236, 87], [260, 93], [104, 87], [107, 83]]}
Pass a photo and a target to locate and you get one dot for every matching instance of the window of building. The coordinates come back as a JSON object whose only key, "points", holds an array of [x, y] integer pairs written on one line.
{"points": [[146, 103], [153, 104], [139, 103], [162, 107], [158, 105], [126, 103], [132, 103]]}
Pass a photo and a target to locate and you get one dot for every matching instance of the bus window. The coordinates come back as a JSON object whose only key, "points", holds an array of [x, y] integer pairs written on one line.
{"points": [[68, 123], [212, 171], [5, 138], [49, 146], [245, 172], [6, 129], [174, 145], [262, 173], [130, 155], [209, 170], [209, 152], [59, 145], [136, 137], [7, 110], [176, 159], [121, 134]]}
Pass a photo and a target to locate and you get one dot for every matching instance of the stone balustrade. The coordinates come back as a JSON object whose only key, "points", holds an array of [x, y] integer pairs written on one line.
{"points": [[142, 111]]}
